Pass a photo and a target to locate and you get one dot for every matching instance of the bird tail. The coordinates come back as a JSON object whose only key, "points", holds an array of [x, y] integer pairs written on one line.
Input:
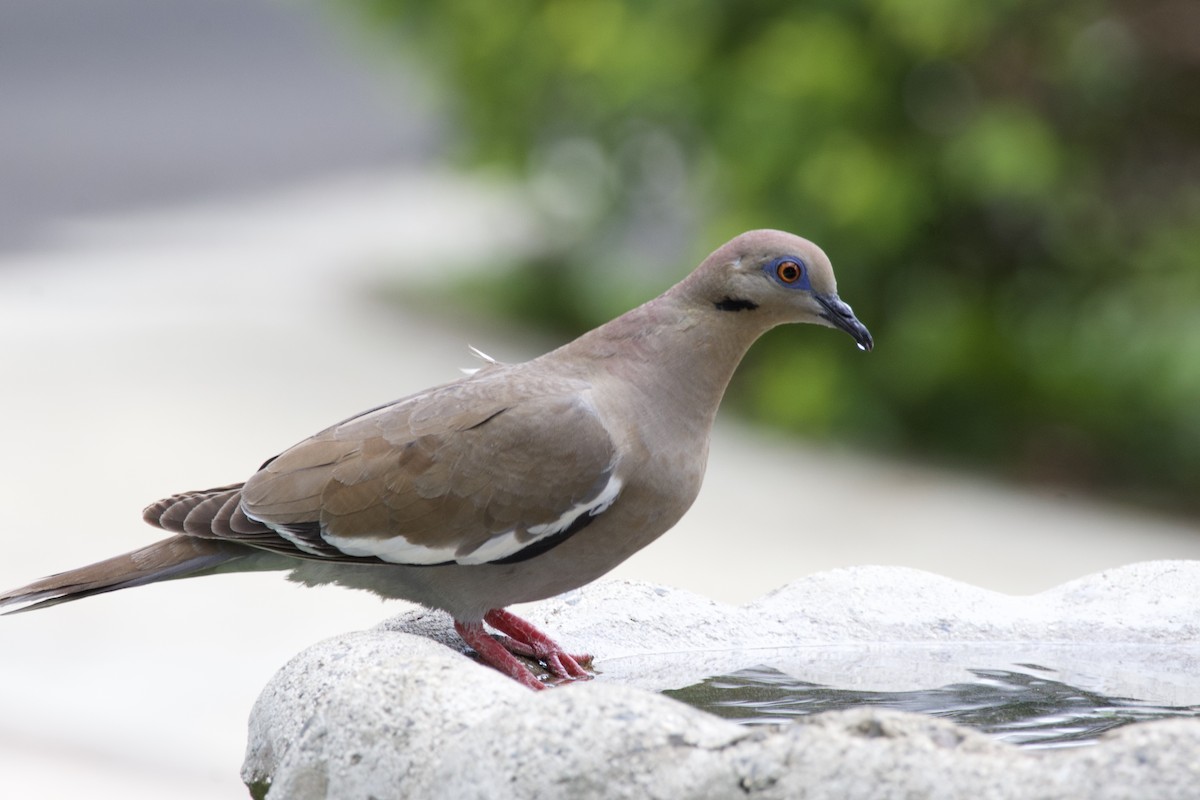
{"points": [[209, 513], [176, 557]]}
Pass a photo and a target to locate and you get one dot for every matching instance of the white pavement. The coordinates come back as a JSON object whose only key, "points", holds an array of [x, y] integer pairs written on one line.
{"points": [[142, 356]]}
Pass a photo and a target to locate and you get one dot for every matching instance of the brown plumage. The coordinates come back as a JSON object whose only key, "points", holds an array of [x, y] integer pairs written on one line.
{"points": [[513, 484]]}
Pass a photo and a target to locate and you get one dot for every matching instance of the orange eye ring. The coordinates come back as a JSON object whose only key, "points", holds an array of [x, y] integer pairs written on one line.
{"points": [[788, 271]]}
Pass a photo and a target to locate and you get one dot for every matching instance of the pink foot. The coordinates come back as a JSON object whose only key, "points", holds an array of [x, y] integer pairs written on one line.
{"points": [[522, 638], [528, 640]]}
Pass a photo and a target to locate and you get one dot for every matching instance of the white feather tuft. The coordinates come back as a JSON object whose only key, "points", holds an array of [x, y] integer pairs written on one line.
{"points": [[482, 356]]}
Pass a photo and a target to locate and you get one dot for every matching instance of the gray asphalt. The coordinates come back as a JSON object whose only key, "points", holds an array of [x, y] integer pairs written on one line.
{"points": [[121, 105]]}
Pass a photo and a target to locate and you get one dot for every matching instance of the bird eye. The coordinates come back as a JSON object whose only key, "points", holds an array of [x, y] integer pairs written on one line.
{"points": [[788, 271]]}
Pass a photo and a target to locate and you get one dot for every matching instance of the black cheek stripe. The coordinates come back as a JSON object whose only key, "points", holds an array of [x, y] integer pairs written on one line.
{"points": [[735, 304]]}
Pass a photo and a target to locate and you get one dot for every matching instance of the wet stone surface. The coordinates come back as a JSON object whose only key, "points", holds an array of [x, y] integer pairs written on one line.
{"points": [[398, 711]]}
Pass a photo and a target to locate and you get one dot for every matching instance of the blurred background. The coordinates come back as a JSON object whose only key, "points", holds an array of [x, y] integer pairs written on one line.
{"points": [[1012, 194], [225, 224]]}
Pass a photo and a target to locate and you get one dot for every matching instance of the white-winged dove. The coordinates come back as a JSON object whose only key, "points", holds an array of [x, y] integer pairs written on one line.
{"points": [[515, 483]]}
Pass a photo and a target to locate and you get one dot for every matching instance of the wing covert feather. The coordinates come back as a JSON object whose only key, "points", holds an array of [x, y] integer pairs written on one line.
{"points": [[470, 467]]}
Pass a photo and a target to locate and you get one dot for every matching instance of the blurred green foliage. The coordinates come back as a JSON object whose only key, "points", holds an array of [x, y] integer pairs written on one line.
{"points": [[1010, 191]]}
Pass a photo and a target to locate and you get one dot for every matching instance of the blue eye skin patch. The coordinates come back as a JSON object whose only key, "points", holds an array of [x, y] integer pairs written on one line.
{"points": [[772, 270]]}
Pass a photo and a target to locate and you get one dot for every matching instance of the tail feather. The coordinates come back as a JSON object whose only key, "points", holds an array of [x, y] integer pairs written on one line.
{"points": [[205, 513], [176, 557]]}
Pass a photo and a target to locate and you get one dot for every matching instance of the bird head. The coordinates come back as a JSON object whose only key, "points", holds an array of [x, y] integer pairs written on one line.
{"points": [[780, 277]]}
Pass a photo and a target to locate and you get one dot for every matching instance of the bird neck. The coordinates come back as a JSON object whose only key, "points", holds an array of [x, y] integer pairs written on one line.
{"points": [[677, 351]]}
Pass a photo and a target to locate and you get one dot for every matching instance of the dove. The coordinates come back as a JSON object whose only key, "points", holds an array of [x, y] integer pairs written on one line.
{"points": [[512, 484]]}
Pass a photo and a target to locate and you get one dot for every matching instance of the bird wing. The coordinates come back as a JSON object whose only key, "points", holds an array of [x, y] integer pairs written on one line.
{"points": [[472, 472]]}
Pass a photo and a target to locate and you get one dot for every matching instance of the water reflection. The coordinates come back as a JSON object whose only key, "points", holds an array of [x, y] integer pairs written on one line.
{"points": [[1024, 707]]}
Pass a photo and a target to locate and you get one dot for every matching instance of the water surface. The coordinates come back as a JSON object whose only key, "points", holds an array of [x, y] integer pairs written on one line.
{"points": [[1023, 705]]}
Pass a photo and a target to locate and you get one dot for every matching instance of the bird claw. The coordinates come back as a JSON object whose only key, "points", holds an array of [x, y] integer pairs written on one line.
{"points": [[561, 664], [523, 639]]}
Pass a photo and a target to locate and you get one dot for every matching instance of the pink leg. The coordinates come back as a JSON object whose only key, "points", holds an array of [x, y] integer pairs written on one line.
{"points": [[494, 653], [522, 638], [528, 640]]}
